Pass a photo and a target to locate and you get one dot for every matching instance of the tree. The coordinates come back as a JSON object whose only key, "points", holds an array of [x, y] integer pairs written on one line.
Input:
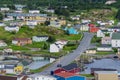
{"points": [[47, 23], [51, 39], [118, 14], [1, 16]]}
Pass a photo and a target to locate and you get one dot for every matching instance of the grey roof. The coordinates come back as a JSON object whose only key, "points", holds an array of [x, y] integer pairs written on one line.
{"points": [[116, 36], [105, 45], [25, 14]]}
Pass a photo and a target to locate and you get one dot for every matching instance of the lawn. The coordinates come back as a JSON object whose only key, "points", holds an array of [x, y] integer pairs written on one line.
{"points": [[14, 47], [105, 53], [86, 75]]}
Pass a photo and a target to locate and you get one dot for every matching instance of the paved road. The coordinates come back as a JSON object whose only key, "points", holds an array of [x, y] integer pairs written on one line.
{"points": [[84, 44]]}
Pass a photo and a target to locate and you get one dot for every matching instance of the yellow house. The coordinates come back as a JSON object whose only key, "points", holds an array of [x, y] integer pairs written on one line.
{"points": [[62, 22], [18, 69], [90, 51], [106, 75]]}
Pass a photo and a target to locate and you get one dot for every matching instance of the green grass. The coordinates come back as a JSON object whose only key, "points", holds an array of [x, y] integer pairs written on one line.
{"points": [[14, 47], [104, 53], [36, 44], [86, 75], [40, 69]]}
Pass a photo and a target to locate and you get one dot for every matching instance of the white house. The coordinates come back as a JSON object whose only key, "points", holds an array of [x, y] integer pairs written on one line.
{"points": [[114, 29], [50, 10], [12, 28], [85, 21], [84, 27], [100, 33], [110, 2], [106, 40], [39, 38], [18, 11], [115, 40], [34, 11], [75, 18], [2, 24], [57, 46], [104, 47], [55, 23], [32, 23], [4, 9], [43, 77], [8, 18], [8, 50], [2, 43]]}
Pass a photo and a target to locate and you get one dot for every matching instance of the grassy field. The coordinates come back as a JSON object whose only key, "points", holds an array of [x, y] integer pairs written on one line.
{"points": [[105, 53]]}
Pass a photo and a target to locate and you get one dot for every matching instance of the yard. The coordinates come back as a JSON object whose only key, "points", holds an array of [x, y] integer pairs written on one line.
{"points": [[104, 53]]}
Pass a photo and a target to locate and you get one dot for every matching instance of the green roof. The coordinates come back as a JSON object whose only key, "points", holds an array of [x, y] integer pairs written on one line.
{"points": [[116, 36]]}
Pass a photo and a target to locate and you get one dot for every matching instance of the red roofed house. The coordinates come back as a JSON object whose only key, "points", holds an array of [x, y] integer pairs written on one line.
{"points": [[93, 29], [21, 41], [72, 68], [68, 76]]}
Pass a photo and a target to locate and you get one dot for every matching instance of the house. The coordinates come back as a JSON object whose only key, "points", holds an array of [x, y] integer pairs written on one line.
{"points": [[54, 48], [2, 43], [19, 6], [8, 18], [93, 29], [43, 77], [110, 2], [114, 29], [2, 24], [22, 77], [106, 75], [101, 69], [75, 17], [101, 33], [68, 76], [8, 50], [18, 11], [34, 11], [90, 51], [31, 24], [57, 46], [50, 10], [82, 27], [72, 31], [11, 28], [106, 40], [4, 9], [115, 40], [21, 41], [39, 38], [85, 21], [55, 23], [72, 68], [104, 47], [40, 18]]}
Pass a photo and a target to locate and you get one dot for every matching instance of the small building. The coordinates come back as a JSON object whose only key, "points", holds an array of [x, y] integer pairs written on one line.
{"points": [[101, 33], [72, 31], [2, 24], [85, 21], [68, 76], [39, 38], [4, 9], [93, 29], [34, 11], [110, 2], [115, 40], [12, 28], [44, 77], [21, 41], [2, 43], [50, 10], [55, 23], [90, 51], [57, 46], [104, 47], [106, 75], [114, 29], [106, 40]]}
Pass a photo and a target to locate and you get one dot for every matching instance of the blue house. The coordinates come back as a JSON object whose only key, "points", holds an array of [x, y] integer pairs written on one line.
{"points": [[68, 76], [72, 31]]}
